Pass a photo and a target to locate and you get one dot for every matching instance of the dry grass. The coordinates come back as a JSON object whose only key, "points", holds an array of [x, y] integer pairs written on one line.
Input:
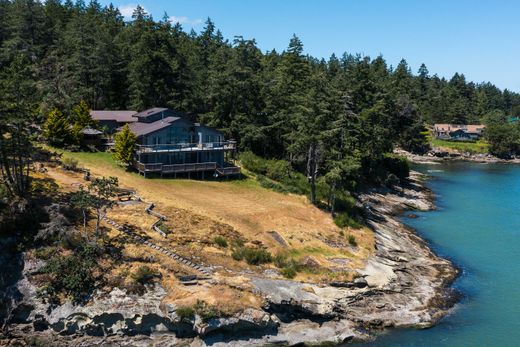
{"points": [[197, 211]]}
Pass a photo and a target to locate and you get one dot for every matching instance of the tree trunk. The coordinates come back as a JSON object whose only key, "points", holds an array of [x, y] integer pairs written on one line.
{"points": [[312, 170], [333, 200]]}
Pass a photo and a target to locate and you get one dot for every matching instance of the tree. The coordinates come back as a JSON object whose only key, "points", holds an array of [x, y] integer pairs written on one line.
{"points": [[80, 119], [504, 139], [56, 128], [103, 190], [83, 200], [124, 146], [17, 92]]}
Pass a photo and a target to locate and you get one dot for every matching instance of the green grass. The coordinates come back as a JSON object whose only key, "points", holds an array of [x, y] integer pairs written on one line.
{"points": [[478, 147]]}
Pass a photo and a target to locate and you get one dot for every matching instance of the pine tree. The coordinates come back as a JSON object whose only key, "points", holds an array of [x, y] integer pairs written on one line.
{"points": [[80, 119], [56, 128], [125, 142]]}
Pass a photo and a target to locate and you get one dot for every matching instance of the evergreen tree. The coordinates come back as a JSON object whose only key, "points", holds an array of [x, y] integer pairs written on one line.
{"points": [[56, 128], [124, 146]]}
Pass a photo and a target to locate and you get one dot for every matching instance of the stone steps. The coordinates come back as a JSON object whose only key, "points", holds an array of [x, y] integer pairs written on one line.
{"points": [[168, 252]]}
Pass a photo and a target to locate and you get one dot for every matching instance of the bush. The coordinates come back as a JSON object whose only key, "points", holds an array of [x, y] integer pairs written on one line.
{"points": [[70, 164], [201, 308], [185, 312], [288, 272], [274, 174], [352, 241], [220, 241], [45, 253], [144, 274], [344, 219], [238, 253], [280, 260], [72, 274], [252, 256]]}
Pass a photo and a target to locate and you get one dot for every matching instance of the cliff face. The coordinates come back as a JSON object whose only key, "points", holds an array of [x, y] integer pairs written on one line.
{"points": [[403, 285]]}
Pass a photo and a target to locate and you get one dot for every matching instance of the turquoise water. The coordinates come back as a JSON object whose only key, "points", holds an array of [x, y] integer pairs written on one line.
{"points": [[477, 226]]}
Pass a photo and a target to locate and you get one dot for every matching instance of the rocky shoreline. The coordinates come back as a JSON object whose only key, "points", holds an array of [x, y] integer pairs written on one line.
{"points": [[404, 284], [437, 156]]}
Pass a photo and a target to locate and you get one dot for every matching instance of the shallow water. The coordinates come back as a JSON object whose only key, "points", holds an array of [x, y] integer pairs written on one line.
{"points": [[477, 226]]}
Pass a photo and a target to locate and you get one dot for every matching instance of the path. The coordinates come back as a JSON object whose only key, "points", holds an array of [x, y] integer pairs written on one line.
{"points": [[168, 252]]}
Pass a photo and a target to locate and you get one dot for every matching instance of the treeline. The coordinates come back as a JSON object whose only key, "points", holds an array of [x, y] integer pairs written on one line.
{"points": [[336, 120]]}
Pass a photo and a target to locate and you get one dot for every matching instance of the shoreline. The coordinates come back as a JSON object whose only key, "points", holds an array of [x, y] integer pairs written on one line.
{"points": [[405, 285], [454, 157]]}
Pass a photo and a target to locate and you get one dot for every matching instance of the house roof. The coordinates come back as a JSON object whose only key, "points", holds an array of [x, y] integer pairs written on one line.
{"points": [[91, 131], [118, 116], [141, 129], [470, 128], [154, 110], [150, 112]]}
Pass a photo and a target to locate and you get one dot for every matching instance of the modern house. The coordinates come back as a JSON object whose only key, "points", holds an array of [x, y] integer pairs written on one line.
{"points": [[460, 132], [170, 143], [111, 120]]}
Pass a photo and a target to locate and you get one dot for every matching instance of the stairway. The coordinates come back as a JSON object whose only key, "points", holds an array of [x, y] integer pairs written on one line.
{"points": [[186, 262]]}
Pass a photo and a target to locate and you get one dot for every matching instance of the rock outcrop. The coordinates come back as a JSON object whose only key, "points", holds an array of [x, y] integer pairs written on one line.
{"points": [[402, 285]]}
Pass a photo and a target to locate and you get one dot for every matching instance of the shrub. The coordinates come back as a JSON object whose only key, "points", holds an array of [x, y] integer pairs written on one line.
{"points": [[288, 272], [144, 274], [185, 312], [70, 164], [252, 256], [257, 256], [275, 174], [72, 274], [206, 311], [280, 260], [45, 253], [352, 241], [201, 308], [238, 253], [343, 220], [220, 241]]}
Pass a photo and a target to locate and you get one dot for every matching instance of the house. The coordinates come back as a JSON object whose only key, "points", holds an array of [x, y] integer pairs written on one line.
{"points": [[458, 131], [111, 120], [170, 143]]}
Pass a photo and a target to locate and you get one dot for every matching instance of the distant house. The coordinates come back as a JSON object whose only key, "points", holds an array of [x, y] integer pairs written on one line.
{"points": [[458, 131], [170, 143], [111, 120]]}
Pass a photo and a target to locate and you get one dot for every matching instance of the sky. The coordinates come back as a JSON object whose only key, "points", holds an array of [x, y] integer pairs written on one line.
{"points": [[479, 38]]}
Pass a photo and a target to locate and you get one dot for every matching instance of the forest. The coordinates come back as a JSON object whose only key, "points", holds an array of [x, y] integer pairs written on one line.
{"points": [[334, 120]]}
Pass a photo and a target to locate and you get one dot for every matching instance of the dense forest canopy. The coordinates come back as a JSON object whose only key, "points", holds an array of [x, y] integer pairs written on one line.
{"points": [[334, 119]]}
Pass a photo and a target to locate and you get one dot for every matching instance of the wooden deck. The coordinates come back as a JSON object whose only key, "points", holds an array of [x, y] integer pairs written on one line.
{"points": [[186, 147], [186, 168]]}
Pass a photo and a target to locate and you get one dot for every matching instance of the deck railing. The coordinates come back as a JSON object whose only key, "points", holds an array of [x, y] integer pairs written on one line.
{"points": [[189, 167], [186, 147]]}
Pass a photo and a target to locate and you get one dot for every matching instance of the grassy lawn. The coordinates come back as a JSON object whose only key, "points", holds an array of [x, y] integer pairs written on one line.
{"points": [[478, 147]]}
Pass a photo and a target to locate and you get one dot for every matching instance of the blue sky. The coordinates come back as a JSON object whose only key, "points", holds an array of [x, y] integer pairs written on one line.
{"points": [[480, 38]]}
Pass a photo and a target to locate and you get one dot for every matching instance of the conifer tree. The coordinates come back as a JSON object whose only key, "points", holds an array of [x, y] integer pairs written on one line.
{"points": [[124, 146], [56, 128]]}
